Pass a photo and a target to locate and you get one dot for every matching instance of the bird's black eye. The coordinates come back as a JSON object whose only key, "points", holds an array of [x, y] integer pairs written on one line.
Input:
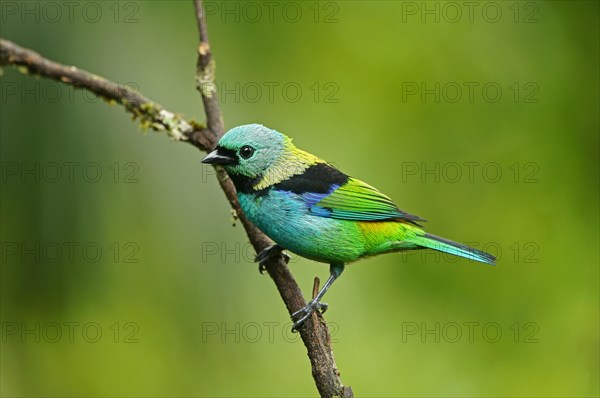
{"points": [[246, 152]]}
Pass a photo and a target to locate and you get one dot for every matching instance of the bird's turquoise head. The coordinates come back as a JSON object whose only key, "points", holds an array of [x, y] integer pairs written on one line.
{"points": [[257, 157], [249, 150]]}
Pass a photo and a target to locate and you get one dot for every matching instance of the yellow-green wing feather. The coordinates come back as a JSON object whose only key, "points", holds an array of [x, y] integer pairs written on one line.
{"points": [[357, 200]]}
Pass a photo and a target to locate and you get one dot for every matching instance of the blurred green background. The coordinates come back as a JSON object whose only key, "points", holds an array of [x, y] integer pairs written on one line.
{"points": [[137, 242]]}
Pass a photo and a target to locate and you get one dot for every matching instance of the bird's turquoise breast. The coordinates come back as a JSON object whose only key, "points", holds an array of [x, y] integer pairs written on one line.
{"points": [[285, 218]]}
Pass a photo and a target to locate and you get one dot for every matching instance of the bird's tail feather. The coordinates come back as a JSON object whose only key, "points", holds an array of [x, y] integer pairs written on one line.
{"points": [[447, 246]]}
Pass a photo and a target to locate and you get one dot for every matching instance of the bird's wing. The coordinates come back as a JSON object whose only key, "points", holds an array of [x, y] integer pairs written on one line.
{"points": [[330, 193], [358, 201]]}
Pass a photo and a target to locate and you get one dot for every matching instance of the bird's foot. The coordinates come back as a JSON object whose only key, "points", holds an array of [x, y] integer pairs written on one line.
{"points": [[269, 253], [306, 311]]}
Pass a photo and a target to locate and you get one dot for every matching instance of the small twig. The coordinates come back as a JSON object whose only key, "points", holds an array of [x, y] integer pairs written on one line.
{"points": [[316, 284]]}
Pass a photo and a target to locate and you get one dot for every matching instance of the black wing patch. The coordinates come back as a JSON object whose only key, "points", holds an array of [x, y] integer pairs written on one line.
{"points": [[318, 178]]}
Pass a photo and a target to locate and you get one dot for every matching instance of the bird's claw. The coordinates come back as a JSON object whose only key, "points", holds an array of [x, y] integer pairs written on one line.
{"points": [[262, 268], [269, 253], [306, 311]]}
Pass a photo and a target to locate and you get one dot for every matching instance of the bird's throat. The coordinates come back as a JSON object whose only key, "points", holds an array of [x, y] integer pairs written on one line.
{"points": [[244, 184]]}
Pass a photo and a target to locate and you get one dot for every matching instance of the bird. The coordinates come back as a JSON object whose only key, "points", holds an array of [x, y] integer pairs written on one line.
{"points": [[310, 208]]}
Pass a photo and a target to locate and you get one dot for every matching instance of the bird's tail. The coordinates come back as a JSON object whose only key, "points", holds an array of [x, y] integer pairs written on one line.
{"points": [[447, 246]]}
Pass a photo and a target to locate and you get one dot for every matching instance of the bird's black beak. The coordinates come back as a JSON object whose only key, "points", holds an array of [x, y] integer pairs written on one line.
{"points": [[220, 156]]}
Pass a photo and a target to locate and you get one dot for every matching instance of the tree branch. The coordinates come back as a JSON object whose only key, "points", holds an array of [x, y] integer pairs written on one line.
{"points": [[150, 114], [205, 76], [314, 331]]}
